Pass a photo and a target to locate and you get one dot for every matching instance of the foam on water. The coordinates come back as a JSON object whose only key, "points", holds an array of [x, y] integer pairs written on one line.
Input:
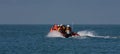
{"points": [[54, 34], [107, 37]]}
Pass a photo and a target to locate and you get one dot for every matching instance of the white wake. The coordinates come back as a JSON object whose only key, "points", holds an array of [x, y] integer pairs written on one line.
{"points": [[87, 33]]}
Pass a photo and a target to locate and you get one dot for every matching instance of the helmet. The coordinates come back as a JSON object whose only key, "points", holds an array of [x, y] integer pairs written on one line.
{"points": [[58, 25], [68, 25], [61, 24]]}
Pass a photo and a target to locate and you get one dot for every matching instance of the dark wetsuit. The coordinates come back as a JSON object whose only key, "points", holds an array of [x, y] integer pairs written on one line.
{"points": [[68, 32]]}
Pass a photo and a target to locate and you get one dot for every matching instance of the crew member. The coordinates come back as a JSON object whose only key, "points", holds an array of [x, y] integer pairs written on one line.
{"points": [[68, 31], [62, 28], [58, 28]]}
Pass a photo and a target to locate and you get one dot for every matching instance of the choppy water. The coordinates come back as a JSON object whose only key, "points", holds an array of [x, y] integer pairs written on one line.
{"points": [[32, 39]]}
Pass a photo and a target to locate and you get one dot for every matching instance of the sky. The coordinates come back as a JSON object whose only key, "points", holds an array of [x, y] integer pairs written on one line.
{"points": [[59, 11]]}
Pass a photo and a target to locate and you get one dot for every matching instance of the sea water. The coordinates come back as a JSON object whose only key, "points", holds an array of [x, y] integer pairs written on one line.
{"points": [[35, 39]]}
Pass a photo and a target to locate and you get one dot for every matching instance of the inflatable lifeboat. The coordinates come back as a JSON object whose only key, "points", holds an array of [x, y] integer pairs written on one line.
{"points": [[62, 30]]}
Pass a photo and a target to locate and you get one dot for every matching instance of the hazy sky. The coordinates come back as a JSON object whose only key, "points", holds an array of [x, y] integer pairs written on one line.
{"points": [[59, 11]]}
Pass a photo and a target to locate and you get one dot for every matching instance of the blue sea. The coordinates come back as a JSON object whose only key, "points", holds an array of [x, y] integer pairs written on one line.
{"points": [[33, 39]]}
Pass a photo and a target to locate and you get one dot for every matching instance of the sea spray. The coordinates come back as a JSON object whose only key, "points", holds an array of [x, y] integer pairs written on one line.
{"points": [[87, 33]]}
